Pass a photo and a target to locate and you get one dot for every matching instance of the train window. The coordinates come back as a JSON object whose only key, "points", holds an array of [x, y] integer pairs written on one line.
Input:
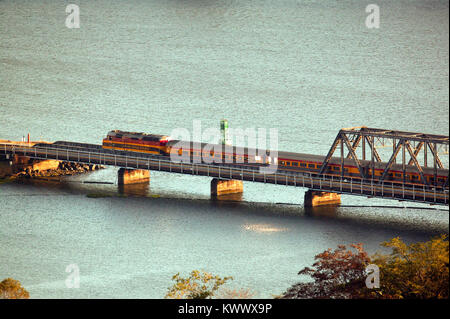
{"points": [[336, 168], [302, 164], [311, 166], [441, 180], [398, 175], [295, 163], [288, 163], [283, 163]]}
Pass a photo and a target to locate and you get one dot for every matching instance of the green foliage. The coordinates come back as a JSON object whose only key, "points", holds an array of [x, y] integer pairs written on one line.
{"points": [[419, 270], [199, 285], [12, 289]]}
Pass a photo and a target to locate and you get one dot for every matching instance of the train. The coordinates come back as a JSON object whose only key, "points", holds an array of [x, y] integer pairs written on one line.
{"points": [[164, 145]]}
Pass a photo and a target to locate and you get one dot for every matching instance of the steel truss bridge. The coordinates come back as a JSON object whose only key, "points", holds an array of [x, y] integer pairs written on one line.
{"points": [[348, 139]]}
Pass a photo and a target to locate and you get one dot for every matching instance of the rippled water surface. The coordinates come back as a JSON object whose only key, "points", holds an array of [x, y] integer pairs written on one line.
{"points": [[306, 68]]}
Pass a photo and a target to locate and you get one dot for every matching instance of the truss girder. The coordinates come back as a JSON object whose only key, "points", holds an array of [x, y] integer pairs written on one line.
{"points": [[353, 154], [418, 137], [416, 152], [355, 145], [373, 149], [391, 160], [330, 153], [435, 154], [414, 143], [414, 159]]}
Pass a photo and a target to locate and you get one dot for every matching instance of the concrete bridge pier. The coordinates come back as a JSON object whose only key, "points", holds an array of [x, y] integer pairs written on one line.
{"points": [[20, 160], [18, 163], [317, 198], [133, 176], [224, 187]]}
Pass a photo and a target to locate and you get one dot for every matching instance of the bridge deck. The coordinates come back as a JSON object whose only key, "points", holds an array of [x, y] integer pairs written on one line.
{"points": [[95, 154]]}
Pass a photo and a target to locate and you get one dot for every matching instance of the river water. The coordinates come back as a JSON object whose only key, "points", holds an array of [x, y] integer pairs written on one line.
{"points": [[305, 68]]}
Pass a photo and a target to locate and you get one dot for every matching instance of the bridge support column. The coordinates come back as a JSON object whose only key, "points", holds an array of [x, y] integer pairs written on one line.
{"points": [[222, 187], [20, 160], [5, 167], [316, 198], [18, 163], [133, 176]]}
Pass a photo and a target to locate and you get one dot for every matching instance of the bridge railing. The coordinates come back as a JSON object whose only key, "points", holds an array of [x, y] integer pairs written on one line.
{"points": [[322, 182]]}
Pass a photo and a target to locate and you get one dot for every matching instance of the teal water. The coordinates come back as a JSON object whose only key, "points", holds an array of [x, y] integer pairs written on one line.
{"points": [[306, 68]]}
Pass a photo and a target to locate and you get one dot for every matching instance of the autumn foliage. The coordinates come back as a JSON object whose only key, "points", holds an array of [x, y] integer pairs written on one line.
{"points": [[12, 289], [419, 270], [337, 274], [199, 285]]}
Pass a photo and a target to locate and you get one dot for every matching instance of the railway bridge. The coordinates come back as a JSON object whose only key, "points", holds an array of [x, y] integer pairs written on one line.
{"points": [[358, 145]]}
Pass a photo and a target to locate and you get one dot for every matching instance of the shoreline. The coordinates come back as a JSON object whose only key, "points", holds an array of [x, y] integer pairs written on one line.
{"points": [[42, 170]]}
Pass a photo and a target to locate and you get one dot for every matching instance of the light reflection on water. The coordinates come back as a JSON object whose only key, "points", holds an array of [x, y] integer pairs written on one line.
{"points": [[264, 228]]}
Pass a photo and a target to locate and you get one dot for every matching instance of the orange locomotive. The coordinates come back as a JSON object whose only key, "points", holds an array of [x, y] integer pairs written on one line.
{"points": [[136, 142]]}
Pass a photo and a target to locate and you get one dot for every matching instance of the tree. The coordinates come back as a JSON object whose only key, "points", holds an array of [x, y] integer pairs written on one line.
{"points": [[199, 285], [337, 274], [418, 270], [12, 289]]}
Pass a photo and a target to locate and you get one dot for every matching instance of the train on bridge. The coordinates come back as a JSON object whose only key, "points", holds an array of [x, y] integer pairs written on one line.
{"points": [[286, 161]]}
